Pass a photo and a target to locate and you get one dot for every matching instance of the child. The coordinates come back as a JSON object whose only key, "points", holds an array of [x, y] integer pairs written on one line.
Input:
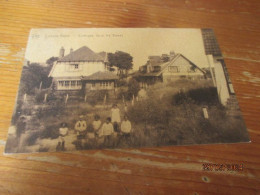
{"points": [[107, 131], [126, 127], [80, 128], [96, 123], [63, 131], [115, 115], [92, 131]]}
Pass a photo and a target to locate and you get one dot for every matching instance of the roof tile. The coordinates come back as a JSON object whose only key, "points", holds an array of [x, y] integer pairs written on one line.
{"points": [[106, 75], [82, 54]]}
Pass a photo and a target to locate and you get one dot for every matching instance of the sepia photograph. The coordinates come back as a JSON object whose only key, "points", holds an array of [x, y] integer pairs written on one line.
{"points": [[101, 88]]}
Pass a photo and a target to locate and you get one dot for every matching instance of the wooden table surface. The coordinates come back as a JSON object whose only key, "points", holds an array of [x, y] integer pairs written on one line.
{"points": [[164, 170]]}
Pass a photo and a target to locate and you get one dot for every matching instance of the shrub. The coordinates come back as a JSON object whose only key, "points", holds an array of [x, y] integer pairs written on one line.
{"points": [[200, 96], [50, 132], [33, 137], [94, 97], [39, 96], [207, 95], [53, 108], [133, 87], [51, 96], [122, 92], [121, 83], [181, 98], [151, 111]]}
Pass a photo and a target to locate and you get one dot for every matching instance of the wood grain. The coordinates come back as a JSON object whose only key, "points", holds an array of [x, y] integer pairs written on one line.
{"points": [[163, 170]]}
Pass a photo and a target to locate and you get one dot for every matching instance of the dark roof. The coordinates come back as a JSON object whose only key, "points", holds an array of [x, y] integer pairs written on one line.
{"points": [[154, 57], [106, 75], [82, 54], [155, 60]]}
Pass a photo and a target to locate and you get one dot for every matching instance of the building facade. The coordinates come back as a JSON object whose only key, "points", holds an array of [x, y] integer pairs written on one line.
{"points": [[69, 70], [167, 68]]}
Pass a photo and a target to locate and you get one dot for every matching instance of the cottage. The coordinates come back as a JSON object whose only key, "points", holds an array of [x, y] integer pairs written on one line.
{"points": [[167, 68], [99, 81], [80, 68]]}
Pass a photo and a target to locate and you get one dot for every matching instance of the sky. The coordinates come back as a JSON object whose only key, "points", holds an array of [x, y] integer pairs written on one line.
{"points": [[138, 42]]}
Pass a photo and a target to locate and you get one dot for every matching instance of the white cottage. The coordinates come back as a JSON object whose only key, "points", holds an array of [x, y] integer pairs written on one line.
{"points": [[68, 71]]}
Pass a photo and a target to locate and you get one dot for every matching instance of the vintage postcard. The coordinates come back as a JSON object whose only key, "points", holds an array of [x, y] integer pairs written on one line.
{"points": [[123, 88]]}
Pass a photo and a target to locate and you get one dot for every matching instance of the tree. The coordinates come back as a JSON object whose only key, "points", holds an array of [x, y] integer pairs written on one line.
{"points": [[50, 62], [32, 76], [121, 60]]}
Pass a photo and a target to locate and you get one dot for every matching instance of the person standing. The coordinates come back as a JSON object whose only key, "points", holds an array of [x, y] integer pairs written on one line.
{"points": [[126, 128], [63, 131], [115, 116], [80, 128], [107, 131], [96, 123]]}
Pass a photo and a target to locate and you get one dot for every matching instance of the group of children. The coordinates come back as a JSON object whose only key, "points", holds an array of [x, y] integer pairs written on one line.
{"points": [[112, 127]]}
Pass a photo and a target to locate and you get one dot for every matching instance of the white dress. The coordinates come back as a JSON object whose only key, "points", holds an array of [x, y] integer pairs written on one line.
{"points": [[115, 116]]}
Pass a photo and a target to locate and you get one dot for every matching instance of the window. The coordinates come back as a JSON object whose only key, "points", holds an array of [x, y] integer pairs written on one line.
{"points": [[105, 84], [69, 84], [74, 67], [79, 83], [173, 69], [73, 83], [61, 83]]}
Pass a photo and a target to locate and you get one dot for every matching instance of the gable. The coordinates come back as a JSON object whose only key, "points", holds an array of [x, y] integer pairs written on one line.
{"points": [[181, 64]]}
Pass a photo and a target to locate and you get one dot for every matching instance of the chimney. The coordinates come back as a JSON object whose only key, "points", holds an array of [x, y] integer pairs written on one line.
{"points": [[62, 51], [71, 50], [172, 54], [149, 68]]}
